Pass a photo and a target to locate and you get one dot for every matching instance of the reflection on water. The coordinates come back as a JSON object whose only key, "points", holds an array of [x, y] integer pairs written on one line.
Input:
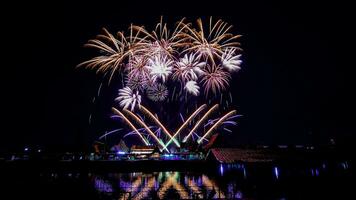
{"points": [[322, 180], [162, 185], [233, 181]]}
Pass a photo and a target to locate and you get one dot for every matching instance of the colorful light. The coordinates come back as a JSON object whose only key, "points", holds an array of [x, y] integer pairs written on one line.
{"points": [[221, 120], [200, 121], [146, 127], [188, 53], [131, 125], [149, 113], [195, 113], [121, 153], [276, 172], [162, 66]]}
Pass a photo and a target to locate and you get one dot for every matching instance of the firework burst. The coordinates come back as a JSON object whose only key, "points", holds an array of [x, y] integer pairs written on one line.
{"points": [[180, 62], [212, 42], [127, 97], [157, 92], [231, 61], [136, 67], [139, 83], [159, 67], [188, 68], [215, 79], [192, 87], [114, 51], [161, 41]]}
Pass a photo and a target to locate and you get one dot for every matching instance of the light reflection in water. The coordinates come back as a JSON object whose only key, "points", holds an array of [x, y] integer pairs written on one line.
{"points": [[276, 172], [227, 181], [245, 173], [102, 186], [161, 185], [221, 169]]}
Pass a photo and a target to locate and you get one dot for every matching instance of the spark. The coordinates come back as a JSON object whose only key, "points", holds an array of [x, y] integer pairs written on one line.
{"points": [[181, 117], [112, 48], [110, 132], [99, 89], [195, 113], [146, 127], [160, 67], [228, 121], [137, 71], [128, 98], [231, 61], [140, 129], [200, 121], [217, 124], [130, 124], [228, 130], [198, 137], [215, 79], [192, 87], [145, 110], [157, 92], [211, 43], [161, 41], [114, 51], [133, 132], [188, 68], [137, 83]]}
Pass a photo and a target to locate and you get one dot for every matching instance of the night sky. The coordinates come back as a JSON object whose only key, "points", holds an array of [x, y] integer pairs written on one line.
{"points": [[296, 85]]}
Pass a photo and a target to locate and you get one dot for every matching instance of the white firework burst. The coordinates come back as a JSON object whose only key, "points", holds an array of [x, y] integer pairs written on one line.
{"points": [[188, 68], [157, 92], [127, 97], [231, 61], [192, 87], [160, 67]]}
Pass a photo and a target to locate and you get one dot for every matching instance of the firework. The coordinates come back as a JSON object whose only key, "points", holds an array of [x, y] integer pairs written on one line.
{"points": [[131, 125], [215, 79], [185, 123], [200, 121], [231, 61], [137, 83], [161, 41], [114, 51], [137, 68], [188, 68], [112, 48], [221, 120], [192, 87], [150, 58], [226, 119], [160, 67], [137, 119], [127, 98], [157, 92], [211, 43], [146, 111], [180, 62]]}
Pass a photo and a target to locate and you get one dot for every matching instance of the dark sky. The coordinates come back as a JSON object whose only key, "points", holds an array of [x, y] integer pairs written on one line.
{"points": [[297, 81]]}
